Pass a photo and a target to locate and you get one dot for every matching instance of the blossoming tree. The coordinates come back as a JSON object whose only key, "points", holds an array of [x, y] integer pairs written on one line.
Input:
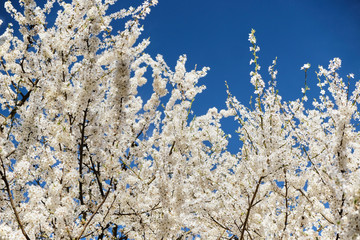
{"points": [[296, 175], [84, 156]]}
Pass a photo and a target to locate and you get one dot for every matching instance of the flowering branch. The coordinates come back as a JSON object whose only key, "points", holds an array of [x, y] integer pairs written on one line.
{"points": [[8, 190]]}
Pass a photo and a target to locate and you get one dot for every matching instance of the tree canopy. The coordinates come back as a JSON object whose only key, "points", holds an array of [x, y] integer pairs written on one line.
{"points": [[84, 156]]}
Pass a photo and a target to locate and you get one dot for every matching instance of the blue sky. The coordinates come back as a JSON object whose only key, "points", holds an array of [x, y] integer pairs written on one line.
{"points": [[215, 34]]}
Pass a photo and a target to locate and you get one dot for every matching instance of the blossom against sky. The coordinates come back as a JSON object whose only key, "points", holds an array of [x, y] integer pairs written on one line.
{"points": [[215, 34]]}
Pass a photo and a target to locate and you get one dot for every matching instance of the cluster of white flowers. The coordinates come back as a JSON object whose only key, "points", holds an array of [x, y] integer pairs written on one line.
{"points": [[84, 156], [297, 169]]}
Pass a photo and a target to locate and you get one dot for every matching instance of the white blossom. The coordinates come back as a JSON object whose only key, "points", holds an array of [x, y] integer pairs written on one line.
{"points": [[305, 67], [84, 156]]}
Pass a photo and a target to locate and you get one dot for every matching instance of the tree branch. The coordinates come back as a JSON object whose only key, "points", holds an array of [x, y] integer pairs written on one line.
{"points": [[92, 216], [81, 155], [8, 190], [249, 208]]}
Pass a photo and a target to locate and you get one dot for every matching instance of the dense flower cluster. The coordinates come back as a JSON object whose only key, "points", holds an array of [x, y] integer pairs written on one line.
{"points": [[84, 156]]}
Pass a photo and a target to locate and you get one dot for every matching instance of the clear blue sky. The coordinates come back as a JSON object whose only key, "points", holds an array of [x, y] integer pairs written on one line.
{"points": [[215, 34]]}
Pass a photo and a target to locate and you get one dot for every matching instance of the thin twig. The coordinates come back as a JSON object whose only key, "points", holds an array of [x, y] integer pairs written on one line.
{"points": [[3, 176], [249, 208], [93, 215]]}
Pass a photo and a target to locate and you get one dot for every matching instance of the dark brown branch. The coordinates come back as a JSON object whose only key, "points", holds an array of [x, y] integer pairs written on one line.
{"points": [[8, 190], [249, 208], [341, 212], [139, 213], [316, 170], [97, 175], [172, 148], [286, 202], [219, 224], [237, 225], [81, 155], [92, 216], [308, 199], [22, 101]]}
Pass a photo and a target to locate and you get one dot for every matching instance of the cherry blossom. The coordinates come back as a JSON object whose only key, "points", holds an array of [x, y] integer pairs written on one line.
{"points": [[84, 156]]}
